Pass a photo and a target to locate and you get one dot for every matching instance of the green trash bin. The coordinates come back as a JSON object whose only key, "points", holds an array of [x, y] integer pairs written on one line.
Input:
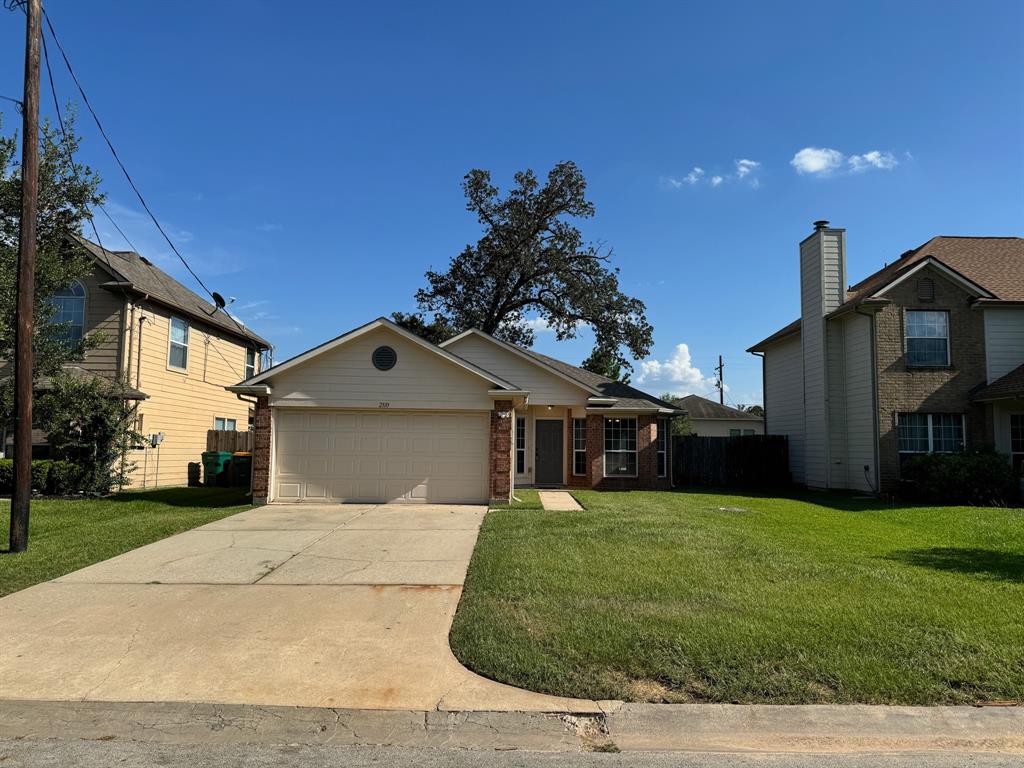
{"points": [[215, 468], [241, 468]]}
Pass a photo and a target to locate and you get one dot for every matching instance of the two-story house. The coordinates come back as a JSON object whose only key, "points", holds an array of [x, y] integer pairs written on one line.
{"points": [[924, 355], [175, 351]]}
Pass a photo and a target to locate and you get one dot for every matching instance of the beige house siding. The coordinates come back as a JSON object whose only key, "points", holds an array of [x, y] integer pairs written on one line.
{"points": [[346, 378], [1004, 340], [182, 404], [835, 380], [859, 404], [104, 314], [784, 399], [544, 388], [721, 427]]}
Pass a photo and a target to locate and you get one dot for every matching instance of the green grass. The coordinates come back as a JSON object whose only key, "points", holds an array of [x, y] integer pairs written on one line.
{"points": [[65, 535], [527, 499], [696, 596]]}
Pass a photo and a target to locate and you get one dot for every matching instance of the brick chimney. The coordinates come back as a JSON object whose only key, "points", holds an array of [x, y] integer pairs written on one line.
{"points": [[822, 290]]}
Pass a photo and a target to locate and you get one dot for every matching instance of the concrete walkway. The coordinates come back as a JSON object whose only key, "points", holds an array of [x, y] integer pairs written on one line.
{"points": [[558, 501], [315, 606]]}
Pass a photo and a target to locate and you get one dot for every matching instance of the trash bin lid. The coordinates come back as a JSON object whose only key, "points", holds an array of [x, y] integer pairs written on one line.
{"points": [[242, 453]]}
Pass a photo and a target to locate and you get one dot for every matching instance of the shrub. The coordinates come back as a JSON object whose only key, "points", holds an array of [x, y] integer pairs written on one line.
{"points": [[56, 478], [979, 478]]}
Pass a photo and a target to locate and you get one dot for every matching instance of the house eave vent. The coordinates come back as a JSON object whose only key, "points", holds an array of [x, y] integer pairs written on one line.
{"points": [[384, 358]]}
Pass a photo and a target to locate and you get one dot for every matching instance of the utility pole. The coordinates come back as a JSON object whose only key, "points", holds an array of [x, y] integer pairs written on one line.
{"points": [[26, 283], [721, 381]]}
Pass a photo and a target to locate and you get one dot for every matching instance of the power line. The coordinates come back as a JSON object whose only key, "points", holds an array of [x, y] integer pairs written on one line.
{"points": [[245, 332], [15, 102]]}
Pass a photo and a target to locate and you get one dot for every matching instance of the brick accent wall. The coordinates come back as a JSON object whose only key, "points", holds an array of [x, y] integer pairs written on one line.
{"points": [[261, 440], [647, 459], [928, 390], [501, 441]]}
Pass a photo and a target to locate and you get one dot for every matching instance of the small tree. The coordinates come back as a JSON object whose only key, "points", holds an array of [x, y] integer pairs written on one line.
{"points": [[435, 331], [753, 410], [607, 363], [90, 422], [681, 427], [533, 259]]}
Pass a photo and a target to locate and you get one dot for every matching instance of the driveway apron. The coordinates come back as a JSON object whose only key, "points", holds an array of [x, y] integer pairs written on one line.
{"points": [[344, 606]]}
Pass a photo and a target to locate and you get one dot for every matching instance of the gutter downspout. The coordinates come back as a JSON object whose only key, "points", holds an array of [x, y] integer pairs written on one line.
{"points": [[874, 399]]}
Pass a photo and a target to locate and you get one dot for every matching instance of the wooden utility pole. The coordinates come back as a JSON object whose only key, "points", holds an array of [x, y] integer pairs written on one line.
{"points": [[721, 381], [26, 283]]}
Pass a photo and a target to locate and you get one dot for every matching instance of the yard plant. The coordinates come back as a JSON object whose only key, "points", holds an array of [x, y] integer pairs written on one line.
{"points": [[696, 596]]}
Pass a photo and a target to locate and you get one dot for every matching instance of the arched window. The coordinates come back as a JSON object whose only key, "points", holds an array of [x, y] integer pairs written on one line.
{"points": [[70, 315]]}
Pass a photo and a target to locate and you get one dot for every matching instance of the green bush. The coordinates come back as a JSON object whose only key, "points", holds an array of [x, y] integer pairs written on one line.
{"points": [[55, 478], [978, 478]]}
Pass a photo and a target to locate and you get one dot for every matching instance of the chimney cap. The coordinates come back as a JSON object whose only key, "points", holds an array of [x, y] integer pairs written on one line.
{"points": [[820, 224]]}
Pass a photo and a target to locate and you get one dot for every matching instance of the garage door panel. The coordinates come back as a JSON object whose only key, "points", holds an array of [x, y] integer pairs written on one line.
{"points": [[381, 457]]}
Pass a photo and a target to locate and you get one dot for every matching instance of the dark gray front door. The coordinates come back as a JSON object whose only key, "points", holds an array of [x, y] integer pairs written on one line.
{"points": [[549, 452]]}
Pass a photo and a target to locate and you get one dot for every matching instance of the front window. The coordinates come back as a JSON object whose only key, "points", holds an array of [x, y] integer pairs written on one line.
{"points": [[927, 338], [250, 363], [177, 350], [662, 447], [930, 432], [620, 447], [222, 424], [520, 444], [1017, 440], [579, 446], [69, 313]]}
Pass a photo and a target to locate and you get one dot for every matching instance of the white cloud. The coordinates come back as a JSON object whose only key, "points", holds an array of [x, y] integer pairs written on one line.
{"points": [[677, 375], [823, 161], [671, 181], [538, 325], [873, 159], [745, 167], [716, 180], [817, 160], [269, 227], [695, 175]]}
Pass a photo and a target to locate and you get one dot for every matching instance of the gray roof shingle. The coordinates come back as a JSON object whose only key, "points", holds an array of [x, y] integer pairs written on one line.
{"points": [[698, 407]]}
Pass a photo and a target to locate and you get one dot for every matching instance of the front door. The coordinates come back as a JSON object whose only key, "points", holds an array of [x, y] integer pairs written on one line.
{"points": [[549, 452]]}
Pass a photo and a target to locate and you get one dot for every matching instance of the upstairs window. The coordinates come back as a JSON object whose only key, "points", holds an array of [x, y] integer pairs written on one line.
{"points": [[620, 447], [927, 338], [69, 314], [250, 363], [579, 446], [177, 348], [520, 445], [662, 444]]}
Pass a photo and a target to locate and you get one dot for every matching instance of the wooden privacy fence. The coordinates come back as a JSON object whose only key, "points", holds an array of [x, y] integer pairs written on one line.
{"points": [[756, 461], [225, 440]]}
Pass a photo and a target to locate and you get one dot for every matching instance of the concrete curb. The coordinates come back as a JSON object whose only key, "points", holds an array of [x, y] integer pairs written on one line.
{"points": [[629, 727]]}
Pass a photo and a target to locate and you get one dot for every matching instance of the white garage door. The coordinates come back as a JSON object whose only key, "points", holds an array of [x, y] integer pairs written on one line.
{"points": [[381, 456]]}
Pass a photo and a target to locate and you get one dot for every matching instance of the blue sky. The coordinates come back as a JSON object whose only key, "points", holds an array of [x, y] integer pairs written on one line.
{"points": [[309, 163]]}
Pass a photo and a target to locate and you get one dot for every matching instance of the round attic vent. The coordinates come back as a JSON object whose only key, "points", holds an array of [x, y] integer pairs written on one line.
{"points": [[384, 358]]}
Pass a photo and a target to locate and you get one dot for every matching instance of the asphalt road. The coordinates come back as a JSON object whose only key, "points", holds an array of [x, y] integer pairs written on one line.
{"points": [[25, 753]]}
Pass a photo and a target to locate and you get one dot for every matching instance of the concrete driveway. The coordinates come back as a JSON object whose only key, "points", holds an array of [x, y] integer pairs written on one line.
{"points": [[343, 606]]}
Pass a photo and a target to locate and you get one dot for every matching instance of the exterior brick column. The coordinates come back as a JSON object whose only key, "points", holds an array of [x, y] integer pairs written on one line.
{"points": [[595, 449], [261, 442], [501, 450]]}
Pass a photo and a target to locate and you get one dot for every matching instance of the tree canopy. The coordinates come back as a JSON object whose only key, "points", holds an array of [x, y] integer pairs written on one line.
{"points": [[531, 261]]}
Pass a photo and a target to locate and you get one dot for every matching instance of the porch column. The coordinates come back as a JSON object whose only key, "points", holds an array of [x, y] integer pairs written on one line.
{"points": [[502, 425], [261, 442]]}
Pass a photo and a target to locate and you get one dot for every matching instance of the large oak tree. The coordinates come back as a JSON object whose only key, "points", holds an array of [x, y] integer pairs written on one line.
{"points": [[532, 262]]}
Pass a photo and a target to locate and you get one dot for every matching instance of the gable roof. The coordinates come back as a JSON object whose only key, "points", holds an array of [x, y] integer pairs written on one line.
{"points": [[1010, 385], [625, 396], [993, 265], [380, 322], [698, 407], [138, 274]]}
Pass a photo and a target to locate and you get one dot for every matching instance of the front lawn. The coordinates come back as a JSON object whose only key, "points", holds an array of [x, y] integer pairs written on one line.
{"points": [[691, 596], [65, 535]]}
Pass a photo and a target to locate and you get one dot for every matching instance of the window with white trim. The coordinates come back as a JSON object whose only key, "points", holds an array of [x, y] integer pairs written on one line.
{"points": [[927, 337], [222, 424], [1017, 441], [520, 444], [250, 363], [579, 446], [662, 446], [177, 348], [620, 447], [930, 432], [69, 313]]}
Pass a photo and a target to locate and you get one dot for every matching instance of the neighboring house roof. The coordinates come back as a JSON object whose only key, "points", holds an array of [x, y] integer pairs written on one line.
{"points": [[995, 265], [45, 383], [1011, 385], [138, 274], [698, 407], [381, 322]]}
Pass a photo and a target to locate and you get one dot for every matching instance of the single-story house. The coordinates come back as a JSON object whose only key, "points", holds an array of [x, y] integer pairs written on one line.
{"points": [[710, 419], [378, 414]]}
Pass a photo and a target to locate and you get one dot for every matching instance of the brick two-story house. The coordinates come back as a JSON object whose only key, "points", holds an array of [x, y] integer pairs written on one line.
{"points": [[924, 355], [175, 351]]}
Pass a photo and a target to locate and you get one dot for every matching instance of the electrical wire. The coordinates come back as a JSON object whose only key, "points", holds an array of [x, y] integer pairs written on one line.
{"points": [[16, 102]]}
